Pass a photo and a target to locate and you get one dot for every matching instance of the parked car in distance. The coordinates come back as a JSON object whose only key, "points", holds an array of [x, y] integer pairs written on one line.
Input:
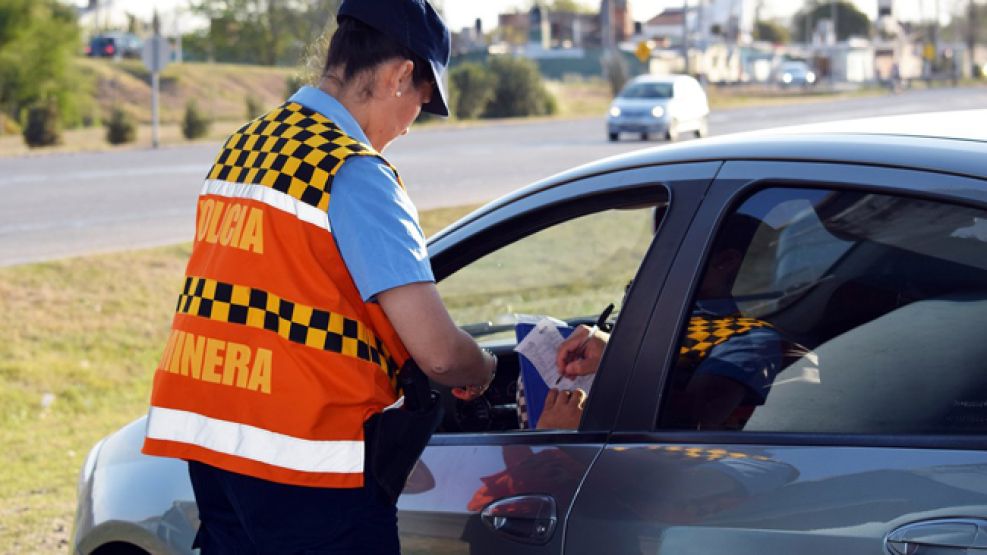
{"points": [[664, 105], [860, 264], [114, 45], [795, 73]]}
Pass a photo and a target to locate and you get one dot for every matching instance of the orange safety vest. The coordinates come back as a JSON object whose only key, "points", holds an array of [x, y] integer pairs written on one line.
{"points": [[274, 361]]}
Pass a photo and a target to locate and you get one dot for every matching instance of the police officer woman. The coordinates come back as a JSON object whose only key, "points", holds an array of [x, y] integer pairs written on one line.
{"points": [[308, 287]]}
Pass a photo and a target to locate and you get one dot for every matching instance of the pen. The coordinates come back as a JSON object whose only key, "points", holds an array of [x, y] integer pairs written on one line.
{"points": [[592, 332], [600, 322]]}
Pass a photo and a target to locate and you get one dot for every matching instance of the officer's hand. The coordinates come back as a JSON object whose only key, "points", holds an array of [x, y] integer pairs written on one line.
{"points": [[468, 393]]}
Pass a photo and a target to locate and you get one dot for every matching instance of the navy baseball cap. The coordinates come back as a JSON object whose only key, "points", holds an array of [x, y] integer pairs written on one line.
{"points": [[415, 25]]}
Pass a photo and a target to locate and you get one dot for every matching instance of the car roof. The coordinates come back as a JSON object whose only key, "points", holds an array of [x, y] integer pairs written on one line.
{"points": [[650, 78], [951, 142], [948, 142]]}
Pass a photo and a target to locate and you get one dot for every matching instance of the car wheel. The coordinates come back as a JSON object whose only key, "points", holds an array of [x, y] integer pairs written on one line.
{"points": [[613, 137], [672, 134], [703, 129]]}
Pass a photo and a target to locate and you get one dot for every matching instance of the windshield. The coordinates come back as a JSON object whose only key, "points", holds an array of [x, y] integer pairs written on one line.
{"points": [[647, 90]]}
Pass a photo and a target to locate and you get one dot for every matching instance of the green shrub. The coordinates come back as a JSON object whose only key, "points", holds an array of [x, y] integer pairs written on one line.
{"points": [[195, 124], [8, 126], [519, 90], [254, 106], [39, 40], [120, 128], [474, 86], [43, 126]]}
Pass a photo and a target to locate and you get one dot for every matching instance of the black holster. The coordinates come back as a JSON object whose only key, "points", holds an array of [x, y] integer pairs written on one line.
{"points": [[395, 438]]}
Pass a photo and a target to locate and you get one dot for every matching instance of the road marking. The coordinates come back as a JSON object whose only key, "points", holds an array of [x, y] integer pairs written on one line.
{"points": [[87, 175]]}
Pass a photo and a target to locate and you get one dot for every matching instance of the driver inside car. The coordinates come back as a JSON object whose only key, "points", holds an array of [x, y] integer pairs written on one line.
{"points": [[727, 361]]}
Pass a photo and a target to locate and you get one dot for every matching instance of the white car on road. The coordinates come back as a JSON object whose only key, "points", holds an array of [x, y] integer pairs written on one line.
{"points": [[666, 105]]}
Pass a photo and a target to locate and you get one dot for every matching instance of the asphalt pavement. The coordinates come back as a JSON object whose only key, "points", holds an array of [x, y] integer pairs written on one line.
{"points": [[62, 205]]}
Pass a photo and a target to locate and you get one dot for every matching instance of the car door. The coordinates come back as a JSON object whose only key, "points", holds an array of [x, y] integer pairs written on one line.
{"points": [[483, 485], [861, 425]]}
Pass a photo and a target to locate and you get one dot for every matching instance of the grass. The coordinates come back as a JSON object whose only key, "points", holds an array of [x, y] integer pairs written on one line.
{"points": [[82, 337], [571, 269]]}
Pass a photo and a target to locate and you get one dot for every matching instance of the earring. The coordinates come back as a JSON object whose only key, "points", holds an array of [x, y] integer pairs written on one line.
{"points": [[398, 94]]}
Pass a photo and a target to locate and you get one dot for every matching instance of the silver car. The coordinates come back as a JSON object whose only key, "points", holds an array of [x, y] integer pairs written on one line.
{"points": [[663, 105], [866, 437], [795, 73]]}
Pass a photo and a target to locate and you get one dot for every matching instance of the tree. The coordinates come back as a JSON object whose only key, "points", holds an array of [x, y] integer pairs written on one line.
{"points": [[519, 90], [268, 32], [567, 6], [474, 86], [851, 22], [771, 31], [38, 39]]}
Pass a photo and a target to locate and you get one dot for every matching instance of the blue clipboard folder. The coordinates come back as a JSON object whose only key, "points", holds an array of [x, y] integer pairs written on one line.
{"points": [[535, 388]]}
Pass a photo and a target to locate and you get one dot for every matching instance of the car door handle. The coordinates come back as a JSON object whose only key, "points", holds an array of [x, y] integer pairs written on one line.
{"points": [[938, 535], [526, 518]]}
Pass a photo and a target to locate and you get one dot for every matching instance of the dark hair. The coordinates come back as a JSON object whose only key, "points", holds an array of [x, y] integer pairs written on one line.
{"points": [[357, 47]]}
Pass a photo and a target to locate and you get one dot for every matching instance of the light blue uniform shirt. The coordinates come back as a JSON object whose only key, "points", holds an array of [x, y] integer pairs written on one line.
{"points": [[373, 221]]}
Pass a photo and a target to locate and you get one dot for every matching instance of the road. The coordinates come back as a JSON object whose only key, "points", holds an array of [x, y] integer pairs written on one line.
{"points": [[70, 204]]}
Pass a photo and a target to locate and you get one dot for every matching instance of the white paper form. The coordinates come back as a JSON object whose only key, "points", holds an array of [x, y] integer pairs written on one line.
{"points": [[540, 347]]}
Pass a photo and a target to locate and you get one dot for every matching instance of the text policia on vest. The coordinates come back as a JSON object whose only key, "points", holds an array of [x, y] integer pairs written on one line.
{"points": [[230, 224]]}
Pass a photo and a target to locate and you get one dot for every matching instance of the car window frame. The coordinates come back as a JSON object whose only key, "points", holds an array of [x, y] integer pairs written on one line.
{"points": [[684, 185], [737, 181]]}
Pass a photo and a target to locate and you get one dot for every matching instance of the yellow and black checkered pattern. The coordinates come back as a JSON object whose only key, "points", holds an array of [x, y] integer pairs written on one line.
{"points": [[319, 329], [706, 332], [291, 149]]}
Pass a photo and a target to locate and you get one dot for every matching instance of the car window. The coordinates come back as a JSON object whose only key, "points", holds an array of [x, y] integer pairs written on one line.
{"points": [[647, 90], [570, 271], [837, 311]]}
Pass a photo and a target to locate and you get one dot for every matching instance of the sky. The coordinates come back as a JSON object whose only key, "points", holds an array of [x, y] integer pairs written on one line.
{"points": [[462, 13]]}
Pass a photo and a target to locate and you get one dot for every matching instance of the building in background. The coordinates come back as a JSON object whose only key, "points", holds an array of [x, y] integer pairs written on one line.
{"points": [[549, 29], [469, 39], [621, 24]]}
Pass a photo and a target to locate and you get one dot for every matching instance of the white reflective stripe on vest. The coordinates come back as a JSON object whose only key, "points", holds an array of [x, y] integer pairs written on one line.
{"points": [[271, 197], [254, 443]]}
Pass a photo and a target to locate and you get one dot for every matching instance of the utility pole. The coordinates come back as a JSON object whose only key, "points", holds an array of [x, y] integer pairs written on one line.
{"points": [[935, 29], [156, 56], [971, 29], [610, 31], [155, 83], [685, 36], [833, 15], [807, 24]]}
